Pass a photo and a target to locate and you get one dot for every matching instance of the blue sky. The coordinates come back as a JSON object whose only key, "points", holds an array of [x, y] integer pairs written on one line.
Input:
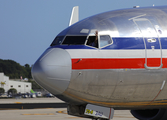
{"points": [[27, 27]]}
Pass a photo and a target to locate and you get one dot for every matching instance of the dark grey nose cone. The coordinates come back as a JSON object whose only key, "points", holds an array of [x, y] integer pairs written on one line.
{"points": [[53, 70]]}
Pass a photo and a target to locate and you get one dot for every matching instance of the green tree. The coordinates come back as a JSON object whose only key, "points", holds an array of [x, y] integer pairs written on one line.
{"points": [[14, 70], [2, 90], [34, 84], [28, 69]]}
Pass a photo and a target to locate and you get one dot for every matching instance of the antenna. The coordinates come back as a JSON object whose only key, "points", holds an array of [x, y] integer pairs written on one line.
{"points": [[136, 6], [74, 15]]}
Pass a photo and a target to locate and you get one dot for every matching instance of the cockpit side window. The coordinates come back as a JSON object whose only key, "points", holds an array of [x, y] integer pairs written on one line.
{"points": [[105, 40], [74, 40], [92, 41], [57, 41]]}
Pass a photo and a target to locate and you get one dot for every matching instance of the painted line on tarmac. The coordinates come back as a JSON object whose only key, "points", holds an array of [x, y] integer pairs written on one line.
{"points": [[40, 114], [62, 111], [18, 102], [123, 117], [22, 108], [65, 112], [19, 105], [8, 109], [74, 117]]}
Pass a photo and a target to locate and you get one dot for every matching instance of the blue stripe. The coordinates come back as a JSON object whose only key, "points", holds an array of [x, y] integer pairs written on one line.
{"points": [[164, 43], [123, 43], [126, 43]]}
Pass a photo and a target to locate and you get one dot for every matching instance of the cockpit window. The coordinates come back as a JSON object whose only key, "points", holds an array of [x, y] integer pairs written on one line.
{"points": [[57, 41], [74, 40], [105, 40], [92, 41]]}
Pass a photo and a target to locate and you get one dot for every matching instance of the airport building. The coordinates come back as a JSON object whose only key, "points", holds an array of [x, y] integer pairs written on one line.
{"points": [[21, 87]]}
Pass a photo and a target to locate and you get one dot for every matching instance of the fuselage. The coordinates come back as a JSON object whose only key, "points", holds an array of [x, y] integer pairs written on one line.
{"points": [[126, 70]]}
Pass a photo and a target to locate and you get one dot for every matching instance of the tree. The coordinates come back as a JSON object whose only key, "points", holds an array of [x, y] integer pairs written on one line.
{"points": [[28, 69], [34, 84], [14, 70], [2, 90], [12, 91]]}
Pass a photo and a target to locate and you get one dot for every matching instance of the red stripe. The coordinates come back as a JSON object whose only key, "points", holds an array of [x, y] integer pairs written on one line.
{"points": [[115, 63], [153, 62]]}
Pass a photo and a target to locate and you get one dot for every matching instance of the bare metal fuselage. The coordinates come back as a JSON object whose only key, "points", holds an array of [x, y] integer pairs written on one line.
{"points": [[129, 73]]}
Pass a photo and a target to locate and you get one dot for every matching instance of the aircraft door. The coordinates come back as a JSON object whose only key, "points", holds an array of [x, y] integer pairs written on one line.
{"points": [[153, 51]]}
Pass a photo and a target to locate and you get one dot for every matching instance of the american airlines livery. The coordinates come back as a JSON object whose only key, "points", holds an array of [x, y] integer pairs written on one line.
{"points": [[115, 60]]}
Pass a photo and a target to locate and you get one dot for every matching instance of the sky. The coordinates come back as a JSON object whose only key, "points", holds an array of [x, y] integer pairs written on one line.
{"points": [[27, 27]]}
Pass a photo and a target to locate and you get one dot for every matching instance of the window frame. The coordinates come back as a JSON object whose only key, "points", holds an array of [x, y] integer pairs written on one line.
{"points": [[103, 34], [88, 38], [99, 34], [54, 40]]}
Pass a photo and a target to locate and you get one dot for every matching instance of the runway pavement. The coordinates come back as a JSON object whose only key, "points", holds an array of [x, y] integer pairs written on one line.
{"points": [[30, 100], [53, 114], [53, 109], [31, 103]]}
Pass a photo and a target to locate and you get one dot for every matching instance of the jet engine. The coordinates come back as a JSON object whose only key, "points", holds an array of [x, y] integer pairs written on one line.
{"points": [[152, 114]]}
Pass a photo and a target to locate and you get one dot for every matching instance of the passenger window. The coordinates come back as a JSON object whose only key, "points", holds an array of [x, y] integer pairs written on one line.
{"points": [[92, 41], [105, 40]]}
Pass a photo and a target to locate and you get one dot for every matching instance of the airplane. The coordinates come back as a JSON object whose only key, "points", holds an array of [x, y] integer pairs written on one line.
{"points": [[125, 69]]}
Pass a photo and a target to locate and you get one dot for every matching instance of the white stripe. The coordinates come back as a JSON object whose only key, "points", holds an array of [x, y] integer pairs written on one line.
{"points": [[87, 53], [153, 53]]}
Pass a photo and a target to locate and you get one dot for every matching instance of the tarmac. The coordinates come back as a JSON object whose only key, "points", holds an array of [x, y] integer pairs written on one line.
{"points": [[31, 103], [30, 100], [47, 113], [53, 114]]}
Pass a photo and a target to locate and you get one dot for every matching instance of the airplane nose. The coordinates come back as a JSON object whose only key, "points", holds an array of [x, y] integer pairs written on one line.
{"points": [[53, 70]]}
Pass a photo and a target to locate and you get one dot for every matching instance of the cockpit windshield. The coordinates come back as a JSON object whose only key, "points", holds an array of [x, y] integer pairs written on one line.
{"points": [[69, 40], [75, 40], [57, 41]]}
